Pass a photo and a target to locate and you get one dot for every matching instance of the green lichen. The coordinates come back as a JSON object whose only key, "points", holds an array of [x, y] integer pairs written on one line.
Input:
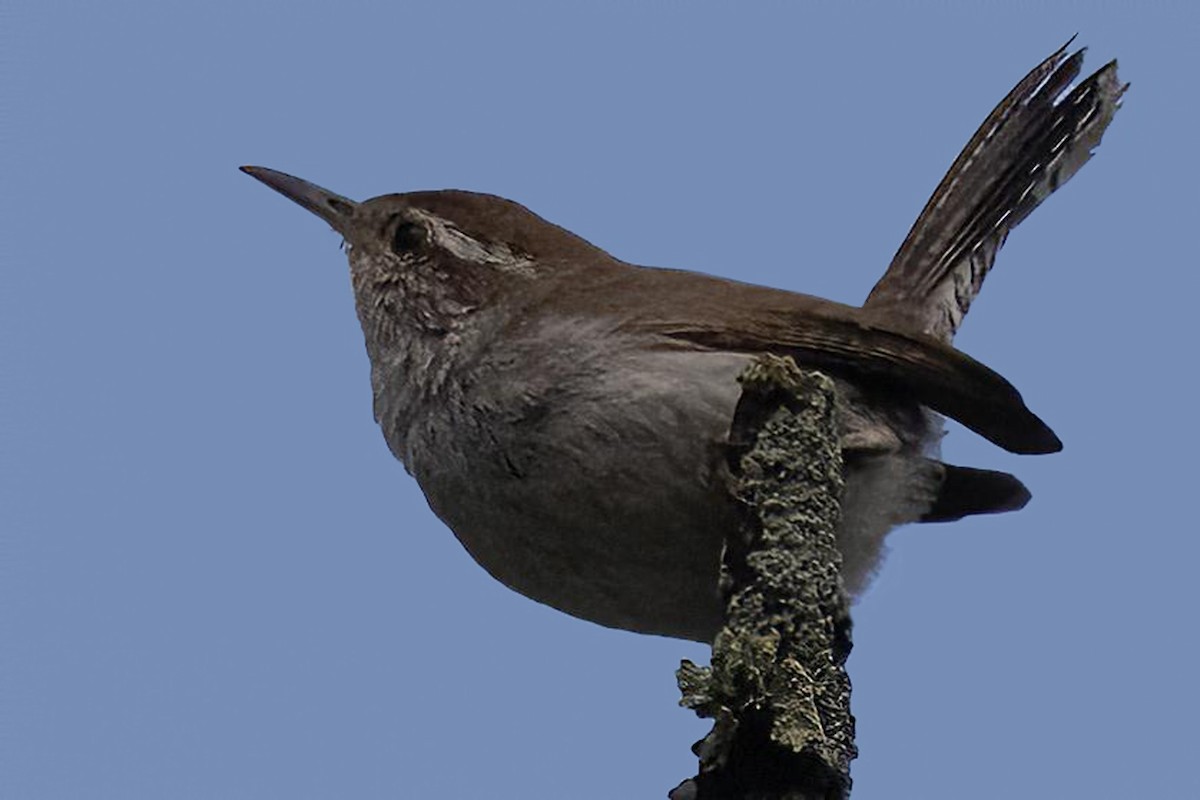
{"points": [[777, 689]]}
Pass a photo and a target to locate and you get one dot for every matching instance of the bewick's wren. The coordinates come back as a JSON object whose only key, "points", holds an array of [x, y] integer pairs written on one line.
{"points": [[563, 410]]}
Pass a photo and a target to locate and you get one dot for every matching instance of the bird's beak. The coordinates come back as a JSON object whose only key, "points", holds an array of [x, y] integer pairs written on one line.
{"points": [[338, 211]]}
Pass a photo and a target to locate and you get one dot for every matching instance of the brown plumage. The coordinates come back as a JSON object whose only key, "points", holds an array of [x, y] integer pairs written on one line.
{"points": [[564, 411]]}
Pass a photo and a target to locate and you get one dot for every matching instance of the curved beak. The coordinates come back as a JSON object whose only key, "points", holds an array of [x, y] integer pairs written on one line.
{"points": [[338, 211]]}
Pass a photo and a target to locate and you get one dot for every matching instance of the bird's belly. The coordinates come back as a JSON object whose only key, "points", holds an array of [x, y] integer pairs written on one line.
{"points": [[601, 495], [611, 503], [649, 570]]}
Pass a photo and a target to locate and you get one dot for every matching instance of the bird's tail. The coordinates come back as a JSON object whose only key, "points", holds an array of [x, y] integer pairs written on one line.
{"points": [[1032, 143], [964, 491]]}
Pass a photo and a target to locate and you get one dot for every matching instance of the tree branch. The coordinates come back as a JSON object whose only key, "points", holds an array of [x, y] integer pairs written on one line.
{"points": [[777, 689]]}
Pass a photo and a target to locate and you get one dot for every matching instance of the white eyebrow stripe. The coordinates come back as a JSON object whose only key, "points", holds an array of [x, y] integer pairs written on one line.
{"points": [[452, 240]]}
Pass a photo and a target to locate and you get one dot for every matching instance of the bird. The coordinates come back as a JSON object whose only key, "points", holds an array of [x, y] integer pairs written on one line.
{"points": [[565, 412]]}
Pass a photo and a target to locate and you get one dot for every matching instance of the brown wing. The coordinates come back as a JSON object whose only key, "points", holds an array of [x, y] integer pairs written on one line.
{"points": [[712, 313]]}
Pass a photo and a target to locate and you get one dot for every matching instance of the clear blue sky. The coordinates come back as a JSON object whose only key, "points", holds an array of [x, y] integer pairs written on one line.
{"points": [[215, 582]]}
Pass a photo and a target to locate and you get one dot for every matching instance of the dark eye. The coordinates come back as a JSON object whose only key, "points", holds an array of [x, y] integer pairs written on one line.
{"points": [[407, 237]]}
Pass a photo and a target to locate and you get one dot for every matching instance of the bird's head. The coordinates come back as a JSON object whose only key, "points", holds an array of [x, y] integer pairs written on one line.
{"points": [[428, 260]]}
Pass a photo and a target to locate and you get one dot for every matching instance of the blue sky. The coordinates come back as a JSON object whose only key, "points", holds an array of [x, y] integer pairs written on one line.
{"points": [[215, 582]]}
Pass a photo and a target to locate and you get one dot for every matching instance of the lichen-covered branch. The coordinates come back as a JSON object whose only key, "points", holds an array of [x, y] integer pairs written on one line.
{"points": [[777, 689]]}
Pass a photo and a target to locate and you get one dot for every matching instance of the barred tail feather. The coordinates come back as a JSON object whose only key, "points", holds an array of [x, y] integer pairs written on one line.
{"points": [[1031, 144]]}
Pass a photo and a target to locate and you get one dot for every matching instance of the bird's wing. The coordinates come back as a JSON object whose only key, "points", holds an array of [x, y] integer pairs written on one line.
{"points": [[717, 314], [1032, 143]]}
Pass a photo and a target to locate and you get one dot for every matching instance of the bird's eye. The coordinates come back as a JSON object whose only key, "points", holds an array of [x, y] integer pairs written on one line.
{"points": [[407, 237]]}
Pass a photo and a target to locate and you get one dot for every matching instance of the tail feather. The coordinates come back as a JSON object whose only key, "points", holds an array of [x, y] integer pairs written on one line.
{"points": [[965, 491], [1031, 143]]}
